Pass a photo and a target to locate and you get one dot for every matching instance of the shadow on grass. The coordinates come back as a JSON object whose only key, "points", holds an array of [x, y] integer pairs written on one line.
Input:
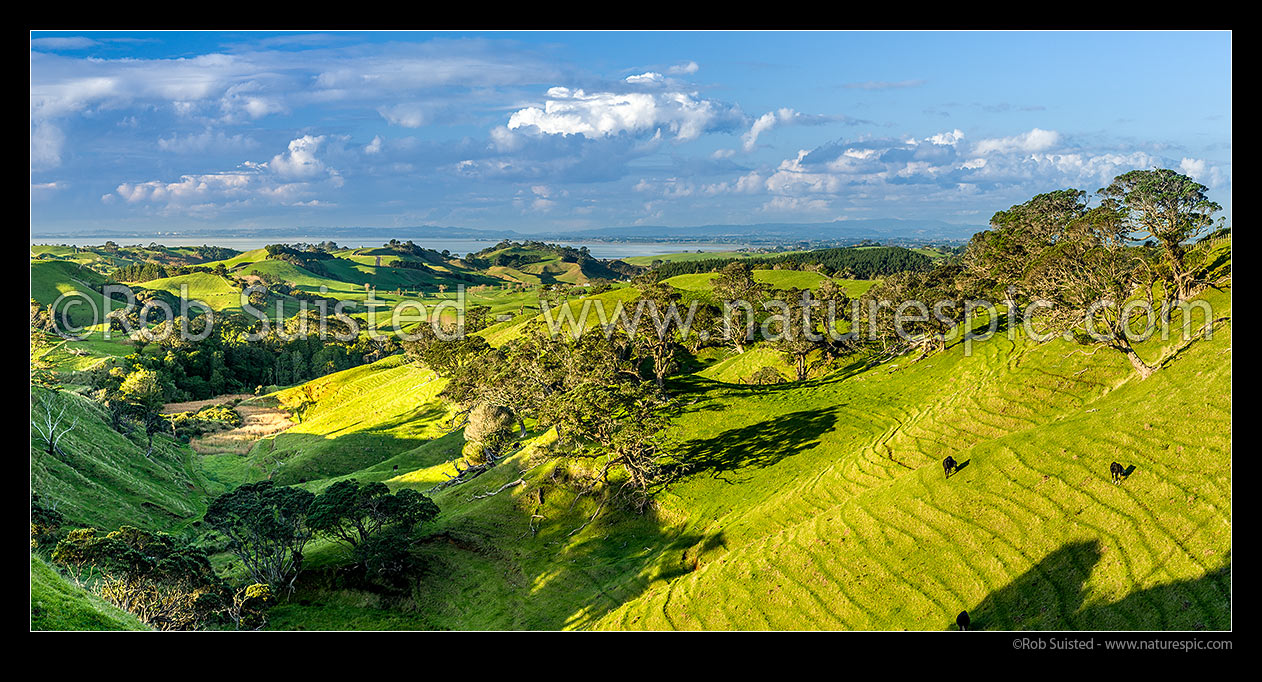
{"points": [[294, 458], [757, 445], [1051, 596], [959, 467]]}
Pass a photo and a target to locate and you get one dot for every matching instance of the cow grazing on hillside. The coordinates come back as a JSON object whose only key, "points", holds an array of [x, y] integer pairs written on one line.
{"points": [[962, 620], [1118, 472], [948, 465]]}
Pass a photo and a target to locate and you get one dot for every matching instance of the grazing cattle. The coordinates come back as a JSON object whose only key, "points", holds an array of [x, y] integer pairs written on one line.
{"points": [[948, 465], [396, 467], [1117, 471], [962, 620]]}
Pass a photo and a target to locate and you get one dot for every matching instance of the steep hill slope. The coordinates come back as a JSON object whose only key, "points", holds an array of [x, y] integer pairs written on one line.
{"points": [[104, 479], [823, 504], [58, 605], [351, 420]]}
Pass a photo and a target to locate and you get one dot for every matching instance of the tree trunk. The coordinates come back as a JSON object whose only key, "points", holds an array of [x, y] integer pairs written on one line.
{"points": [[1138, 363], [1178, 273]]}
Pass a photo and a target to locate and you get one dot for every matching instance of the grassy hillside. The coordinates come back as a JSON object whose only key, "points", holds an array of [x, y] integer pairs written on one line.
{"points": [[805, 505], [105, 480], [824, 505], [361, 417], [694, 256], [1031, 534], [776, 279], [212, 290], [51, 279], [72, 356], [58, 605]]}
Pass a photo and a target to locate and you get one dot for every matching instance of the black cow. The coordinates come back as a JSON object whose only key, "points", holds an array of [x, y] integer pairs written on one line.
{"points": [[962, 620], [948, 466], [1118, 472]]}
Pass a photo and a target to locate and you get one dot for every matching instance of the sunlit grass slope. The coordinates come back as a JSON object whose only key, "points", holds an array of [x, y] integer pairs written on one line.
{"points": [[830, 510], [824, 505], [52, 279], [213, 290], [775, 279], [687, 256], [362, 416]]}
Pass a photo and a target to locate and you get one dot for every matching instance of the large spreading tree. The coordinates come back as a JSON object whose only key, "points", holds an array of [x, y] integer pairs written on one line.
{"points": [[1165, 206], [266, 527], [354, 513]]}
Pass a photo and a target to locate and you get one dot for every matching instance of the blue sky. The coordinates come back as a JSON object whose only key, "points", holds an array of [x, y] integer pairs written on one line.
{"points": [[544, 131]]}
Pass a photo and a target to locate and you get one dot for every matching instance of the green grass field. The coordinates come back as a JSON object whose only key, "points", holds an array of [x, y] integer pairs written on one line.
{"points": [[823, 505], [105, 479], [775, 279], [688, 256], [56, 604], [212, 290], [819, 504], [362, 417]]}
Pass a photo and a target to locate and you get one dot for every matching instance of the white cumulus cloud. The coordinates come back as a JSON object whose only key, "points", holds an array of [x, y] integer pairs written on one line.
{"points": [[1036, 140], [604, 114]]}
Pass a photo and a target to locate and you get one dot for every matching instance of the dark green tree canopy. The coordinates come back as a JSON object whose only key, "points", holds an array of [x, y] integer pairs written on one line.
{"points": [[353, 513], [1166, 206], [266, 527]]}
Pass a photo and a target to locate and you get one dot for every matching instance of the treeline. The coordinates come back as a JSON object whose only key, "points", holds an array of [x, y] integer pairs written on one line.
{"points": [[157, 253], [413, 265], [567, 254], [229, 361], [145, 272], [308, 259], [140, 272], [410, 248], [865, 263], [1068, 262]]}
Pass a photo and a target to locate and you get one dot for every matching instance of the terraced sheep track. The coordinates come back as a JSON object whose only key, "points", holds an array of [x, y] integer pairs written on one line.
{"points": [[858, 528]]}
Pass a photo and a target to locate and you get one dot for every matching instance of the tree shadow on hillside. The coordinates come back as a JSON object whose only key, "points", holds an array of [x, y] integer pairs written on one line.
{"points": [[293, 458], [615, 573], [756, 445], [980, 331], [503, 577], [1050, 596]]}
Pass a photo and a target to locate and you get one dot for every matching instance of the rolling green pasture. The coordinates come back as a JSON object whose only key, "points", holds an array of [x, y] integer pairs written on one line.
{"points": [[823, 505], [819, 504]]}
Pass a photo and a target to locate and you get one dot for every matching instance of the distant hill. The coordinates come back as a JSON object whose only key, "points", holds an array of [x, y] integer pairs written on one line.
{"points": [[882, 229], [889, 230]]}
